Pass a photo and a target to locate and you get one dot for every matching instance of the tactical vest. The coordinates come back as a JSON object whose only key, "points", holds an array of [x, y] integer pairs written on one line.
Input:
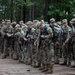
{"points": [[29, 36], [44, 31], [65, 32], [56, 33], [43, 40]]}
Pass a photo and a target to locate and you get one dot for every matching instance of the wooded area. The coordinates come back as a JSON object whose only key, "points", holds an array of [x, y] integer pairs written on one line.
{"points": [[36, 9]]}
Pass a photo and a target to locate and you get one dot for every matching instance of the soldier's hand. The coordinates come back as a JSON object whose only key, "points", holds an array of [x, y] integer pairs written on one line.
{"points": [[25, 39], [42, 36], [35, 44], [9, 35], [65, 45]]}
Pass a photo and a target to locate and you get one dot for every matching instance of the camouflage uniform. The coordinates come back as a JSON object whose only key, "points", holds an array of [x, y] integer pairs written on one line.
{"points": [[46, 49], [29, 42], [1, 38], [73, 40], [24, 48], [19, 41], [15, 42], [35, 56], [66, 43], [57, 33], [7, 32]]}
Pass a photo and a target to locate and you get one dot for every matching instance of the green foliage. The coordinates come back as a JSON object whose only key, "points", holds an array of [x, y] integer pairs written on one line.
{"points": [[64, 8], [28, 3]]}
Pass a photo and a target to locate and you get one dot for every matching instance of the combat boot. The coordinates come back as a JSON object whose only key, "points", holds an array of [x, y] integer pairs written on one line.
{"points": [[68, 64], [50, 70], [42, 67], [20, 59], [73, 66], [3, 56], [15, 57], [46, 69], [37, 64], [65, 63], [33, 64], [29, 62]]}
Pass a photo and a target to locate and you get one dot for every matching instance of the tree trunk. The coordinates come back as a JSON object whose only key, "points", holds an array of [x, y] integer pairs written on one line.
{"points": [[32, 12], [30, 18], [24, 12], [21, 12], [46, 10], [11, 18]]}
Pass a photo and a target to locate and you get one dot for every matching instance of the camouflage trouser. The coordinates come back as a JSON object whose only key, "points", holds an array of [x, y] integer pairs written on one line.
{"points": [[42, 53], [20, 51], [50, 56], [29, 51], [47, 54], [74, 51], [8, 46], [24, 51], [15, 52], [35, 54], [16, 46], [67, 53], [56, 52], [24, 54], [1, 44]]}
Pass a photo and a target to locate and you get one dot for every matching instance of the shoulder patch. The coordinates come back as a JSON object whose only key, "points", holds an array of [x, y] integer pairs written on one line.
{"points": [[48, 28], [33, 29]]}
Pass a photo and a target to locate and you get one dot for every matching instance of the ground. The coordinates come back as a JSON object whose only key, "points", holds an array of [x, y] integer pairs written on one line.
{"points": [[12, 67]]}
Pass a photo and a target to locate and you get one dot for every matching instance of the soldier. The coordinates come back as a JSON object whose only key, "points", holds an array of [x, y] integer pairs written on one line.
{"points": [[29, 39], [1, 38], [20, 40], [36, 44], [66, 43], [46, 48], [16, 41], [23, 32], [57, 31], [14, 52], [7, 32], [72, 22]]}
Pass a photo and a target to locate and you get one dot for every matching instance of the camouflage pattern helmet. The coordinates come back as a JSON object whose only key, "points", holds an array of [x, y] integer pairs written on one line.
{"points": [[47, 25], [35, 21], [64, 21], [42, 22], [73, 20], [59, 23], [3, 22], [29, 23], [14, 23], [17, 26], [38, 24], [8, 21], [52, 20]]}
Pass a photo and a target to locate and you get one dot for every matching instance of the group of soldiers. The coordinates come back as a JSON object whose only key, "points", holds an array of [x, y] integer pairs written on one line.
{"points": [[38, 43]]}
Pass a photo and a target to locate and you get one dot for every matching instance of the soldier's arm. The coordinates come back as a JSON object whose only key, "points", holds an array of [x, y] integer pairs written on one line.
{"points": [[38, 36], [69, 35], [2, 31]]}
